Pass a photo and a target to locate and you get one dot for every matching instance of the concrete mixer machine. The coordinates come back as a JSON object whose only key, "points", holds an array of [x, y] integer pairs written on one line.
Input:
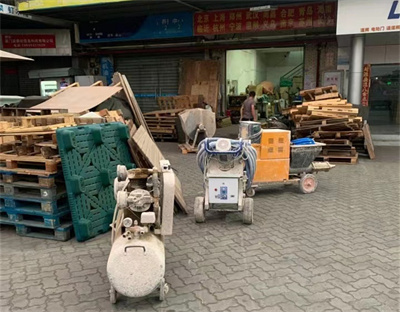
{"points": [[142, 217]]}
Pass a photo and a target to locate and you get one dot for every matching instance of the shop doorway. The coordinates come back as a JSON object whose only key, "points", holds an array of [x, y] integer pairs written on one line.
{"points": [[384, 97], [246, 69]]}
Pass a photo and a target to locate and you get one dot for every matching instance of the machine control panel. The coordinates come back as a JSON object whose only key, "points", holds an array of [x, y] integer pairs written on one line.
{"points": [[223, 190]]}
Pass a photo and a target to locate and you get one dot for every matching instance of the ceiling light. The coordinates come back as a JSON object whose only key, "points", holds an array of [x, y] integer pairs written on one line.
{"points": [[263, 8]]}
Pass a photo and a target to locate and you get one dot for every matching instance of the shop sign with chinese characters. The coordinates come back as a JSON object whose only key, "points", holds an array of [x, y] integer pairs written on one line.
{"points": [[160, 26], [368, 16], [366, 83], [37, 42], [281, 18], [29, 41]]}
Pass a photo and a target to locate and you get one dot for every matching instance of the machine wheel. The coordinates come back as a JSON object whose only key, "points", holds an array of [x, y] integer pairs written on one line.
{"points": [[113, 295], [164, 288], [308, 183], [248, 210], [199, 213], [250, 192]]}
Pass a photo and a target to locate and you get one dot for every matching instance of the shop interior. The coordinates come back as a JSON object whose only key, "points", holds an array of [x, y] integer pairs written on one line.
{"points": [[275, 74], [384, 96]]}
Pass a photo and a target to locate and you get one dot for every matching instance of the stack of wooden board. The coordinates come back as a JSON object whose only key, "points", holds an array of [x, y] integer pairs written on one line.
{"points": [[180, 101], [162, 123], [325, 116]]}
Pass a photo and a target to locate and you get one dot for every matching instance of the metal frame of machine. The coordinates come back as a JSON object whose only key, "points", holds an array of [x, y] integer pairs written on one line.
{"points": [[142, 217], [279, 161], [225, 178]]}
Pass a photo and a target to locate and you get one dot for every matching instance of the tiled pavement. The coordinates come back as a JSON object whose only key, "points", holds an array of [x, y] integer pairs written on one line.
{"points": [[334, 250]]}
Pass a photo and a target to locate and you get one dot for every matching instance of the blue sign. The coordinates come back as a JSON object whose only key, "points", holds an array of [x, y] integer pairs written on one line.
{"points": [[392, 13], [172, 25], [107, 68]]}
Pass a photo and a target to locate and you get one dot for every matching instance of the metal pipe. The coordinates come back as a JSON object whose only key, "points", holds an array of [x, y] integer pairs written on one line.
{"points": [[190, 46], [356, 69]]}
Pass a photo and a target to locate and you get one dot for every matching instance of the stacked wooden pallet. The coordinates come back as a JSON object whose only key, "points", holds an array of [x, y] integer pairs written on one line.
{"points": [[180, 101], [331, 120], [162, 123], [33, 195], [32, 190]]}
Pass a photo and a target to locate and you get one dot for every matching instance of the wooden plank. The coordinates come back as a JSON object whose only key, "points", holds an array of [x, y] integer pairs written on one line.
{"points": [[164, 112], [137, 112], [327, 96], [40, 159], [31, 130], [368, 141], [333, 107], [194, 71], [150, 151], [209, 89], [77, 100], [329, 102], [331, 115], [340, 110]]}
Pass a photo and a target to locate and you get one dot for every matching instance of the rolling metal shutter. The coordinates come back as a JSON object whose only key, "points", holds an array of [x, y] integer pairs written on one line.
{"points": [[152, 76]]}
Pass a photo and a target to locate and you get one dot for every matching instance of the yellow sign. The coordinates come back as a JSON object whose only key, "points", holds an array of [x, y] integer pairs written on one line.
{"points": [[28, 5]]}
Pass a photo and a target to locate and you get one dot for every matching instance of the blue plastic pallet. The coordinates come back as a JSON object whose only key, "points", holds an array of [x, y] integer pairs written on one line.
{"points": [[25, 216], [90, 155], [36, 204], [62, 233]]}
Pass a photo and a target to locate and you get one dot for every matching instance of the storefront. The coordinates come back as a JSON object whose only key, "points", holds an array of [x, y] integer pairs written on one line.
{"points": [[50, 48], [290, 45], [368, 54]]}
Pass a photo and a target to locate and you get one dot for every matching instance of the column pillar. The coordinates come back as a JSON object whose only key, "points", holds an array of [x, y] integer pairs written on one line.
{"points": [[356, 69]]}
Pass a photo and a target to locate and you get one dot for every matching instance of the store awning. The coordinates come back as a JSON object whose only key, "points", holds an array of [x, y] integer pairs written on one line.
{"points": [[7, 56]]}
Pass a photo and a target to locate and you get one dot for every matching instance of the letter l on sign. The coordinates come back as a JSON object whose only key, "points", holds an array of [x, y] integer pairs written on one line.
{"points": [[392, 13]]}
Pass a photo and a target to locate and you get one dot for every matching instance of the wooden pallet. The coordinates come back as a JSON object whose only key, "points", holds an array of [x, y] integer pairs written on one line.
{"points": [[35, 203], [186, 148], [31, 190], [335, 151], [166, 113], [162, 123], [61, 233], [337, 134], [35, 180], [352, 160], [36, 165], [180, 101], [29, 217], [321, 93]]}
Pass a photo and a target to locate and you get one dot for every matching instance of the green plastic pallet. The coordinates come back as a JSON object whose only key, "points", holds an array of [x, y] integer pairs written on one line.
{"points": [[89, 156]]}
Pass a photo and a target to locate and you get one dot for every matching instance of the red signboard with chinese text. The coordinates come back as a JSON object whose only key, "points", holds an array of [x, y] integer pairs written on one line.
{"points": [[282, 18], [366, 83], [28, 41]]}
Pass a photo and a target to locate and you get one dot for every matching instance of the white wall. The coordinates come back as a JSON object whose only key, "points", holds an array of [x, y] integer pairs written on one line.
{"points": [[279, 63], [252, 66], [246, 66]]}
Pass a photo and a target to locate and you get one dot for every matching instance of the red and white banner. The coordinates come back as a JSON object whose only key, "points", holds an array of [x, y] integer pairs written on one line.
{"points": [[366, 83], [28, 41], [281, 18]]}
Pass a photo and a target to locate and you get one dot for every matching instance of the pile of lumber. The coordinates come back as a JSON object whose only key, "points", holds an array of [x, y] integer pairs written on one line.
{"points": [[329, 119], [180, 101], [162, 123]]}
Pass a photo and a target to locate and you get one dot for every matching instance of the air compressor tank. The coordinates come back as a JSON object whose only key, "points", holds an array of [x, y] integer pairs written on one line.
{"points": [[136, 266]]}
